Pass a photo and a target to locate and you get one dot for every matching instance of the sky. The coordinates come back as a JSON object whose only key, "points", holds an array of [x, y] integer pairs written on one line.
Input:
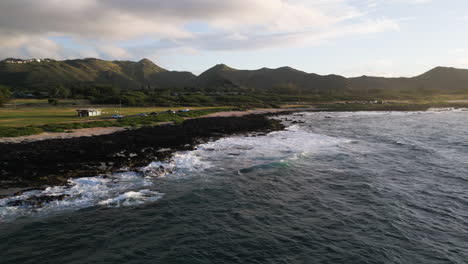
{"points": [[348, 37]]}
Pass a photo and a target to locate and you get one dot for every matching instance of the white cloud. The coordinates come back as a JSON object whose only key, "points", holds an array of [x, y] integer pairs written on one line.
{"points": [[455, 51], [25, 47], [379, 67], [462, 62], [232, 24], [412, 1], [114, 52], [43, 48], [88, 54]]}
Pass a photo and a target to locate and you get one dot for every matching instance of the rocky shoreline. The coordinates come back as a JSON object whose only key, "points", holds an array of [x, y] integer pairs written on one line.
{"points": [[54, 161]]}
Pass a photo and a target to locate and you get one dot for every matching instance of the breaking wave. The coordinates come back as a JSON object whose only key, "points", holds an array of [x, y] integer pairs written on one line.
{"points": [[238, 153], [80, 193]]}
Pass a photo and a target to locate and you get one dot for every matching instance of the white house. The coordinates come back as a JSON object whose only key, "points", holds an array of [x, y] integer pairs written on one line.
{"points": [[88, 112]]}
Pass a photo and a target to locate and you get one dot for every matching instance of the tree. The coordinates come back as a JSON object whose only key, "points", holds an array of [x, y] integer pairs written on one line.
{"points": [[4, 94], [134, 98], [60, 91], [286, 88], [52, 101]]}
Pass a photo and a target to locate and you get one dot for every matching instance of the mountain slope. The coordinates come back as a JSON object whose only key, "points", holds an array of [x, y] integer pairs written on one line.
{"points": [[444, 78], [124, 74], [269, 79], [128, 75], [439, 79]]}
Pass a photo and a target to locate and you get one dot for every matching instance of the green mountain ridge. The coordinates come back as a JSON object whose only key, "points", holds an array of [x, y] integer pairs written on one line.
{"points": [[268, 79], [124, 74], [128, 75], [437, 80]]}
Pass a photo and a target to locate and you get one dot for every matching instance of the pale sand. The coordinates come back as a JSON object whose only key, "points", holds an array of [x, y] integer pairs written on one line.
{"points": [[84, 132], [88, 132]]}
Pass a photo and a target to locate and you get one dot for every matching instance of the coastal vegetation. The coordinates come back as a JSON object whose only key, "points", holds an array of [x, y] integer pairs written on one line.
{"points": [[4, 94], [47, 93], [125, 121], [144, 84], [34, 116], [24, 112]]}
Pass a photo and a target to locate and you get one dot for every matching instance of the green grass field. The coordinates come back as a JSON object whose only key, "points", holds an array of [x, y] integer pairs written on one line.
{"points": [[28, 117], [25, 112]]}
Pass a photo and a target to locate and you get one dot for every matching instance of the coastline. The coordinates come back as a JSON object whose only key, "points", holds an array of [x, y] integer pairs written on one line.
{"points": [[75, 133], [48, 159], [48, 162], [97, 131]]}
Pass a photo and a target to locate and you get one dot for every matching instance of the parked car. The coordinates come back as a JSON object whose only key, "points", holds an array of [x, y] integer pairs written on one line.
{"points": [[155, 113], [116, 116], [142, 114], [184, 110], [170, 112]]}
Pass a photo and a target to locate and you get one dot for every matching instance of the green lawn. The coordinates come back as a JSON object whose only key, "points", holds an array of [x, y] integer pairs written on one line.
{"points": [[24, 114], [128, 121], [36, 116]]}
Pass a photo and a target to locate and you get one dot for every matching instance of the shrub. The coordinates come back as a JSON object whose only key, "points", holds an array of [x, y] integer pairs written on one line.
{"points": [[52, 101], [4, 94], [19, 131]]}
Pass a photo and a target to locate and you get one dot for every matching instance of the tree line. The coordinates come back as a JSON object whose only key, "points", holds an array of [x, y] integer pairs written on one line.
{"points": [[4, 94]]}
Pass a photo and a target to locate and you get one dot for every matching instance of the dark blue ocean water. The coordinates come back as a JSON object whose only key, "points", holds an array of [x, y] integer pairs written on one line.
{"points": [[371, 187]]}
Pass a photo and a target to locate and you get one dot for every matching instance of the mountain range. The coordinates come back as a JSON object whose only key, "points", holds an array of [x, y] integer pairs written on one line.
{"points": [[128, 75]]}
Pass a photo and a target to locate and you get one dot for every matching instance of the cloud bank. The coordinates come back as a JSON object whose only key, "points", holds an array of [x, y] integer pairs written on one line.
{"points": [[129, 29]]}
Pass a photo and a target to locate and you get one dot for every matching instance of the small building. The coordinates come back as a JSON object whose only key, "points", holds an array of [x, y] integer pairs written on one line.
{"points": [[88, 112]]}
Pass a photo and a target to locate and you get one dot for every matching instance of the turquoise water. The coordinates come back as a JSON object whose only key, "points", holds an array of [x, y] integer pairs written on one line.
{"points": [[366, 187]]}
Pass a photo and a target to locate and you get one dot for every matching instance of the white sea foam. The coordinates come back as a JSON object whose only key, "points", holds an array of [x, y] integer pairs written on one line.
{"points": [[240, 151], [182, 164], [132, 198], [80, 193], [447, 109], [292, 140], [362, 114], [383, 113], [134, 188], [158, 169]]}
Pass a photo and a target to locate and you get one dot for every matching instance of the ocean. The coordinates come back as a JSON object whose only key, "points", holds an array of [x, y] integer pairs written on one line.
{"points": [[333, 187]]}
